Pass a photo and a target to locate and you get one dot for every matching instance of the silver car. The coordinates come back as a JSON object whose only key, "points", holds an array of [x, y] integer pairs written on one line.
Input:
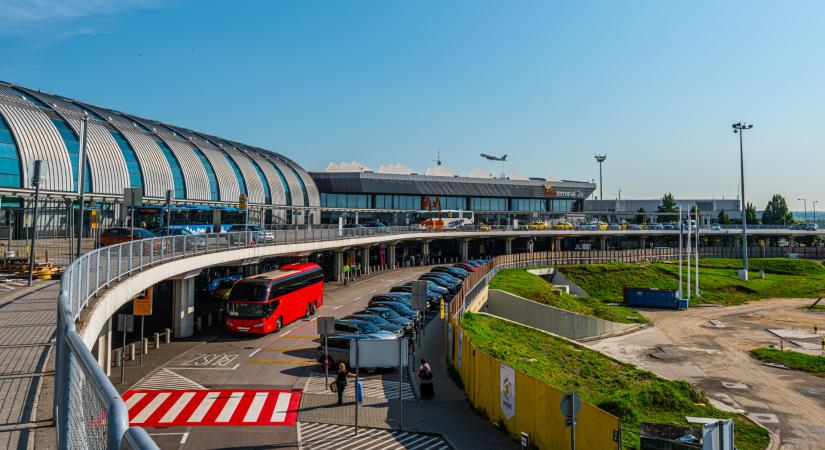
{"points": [[256, 234]]}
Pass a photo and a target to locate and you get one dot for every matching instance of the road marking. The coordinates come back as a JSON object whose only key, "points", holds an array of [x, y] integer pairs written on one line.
{"points": [[338, 307], [322, 436], [304, 337], [357, 298], [211, 360], [253, 353], [229, 408], [183, 437], [165, 379], [150, 409], [281, 407], [259, 407], [374, 387], [313, 319], [280, 361], [207, 368], [255, 408], [286, 333], [173, 412]]}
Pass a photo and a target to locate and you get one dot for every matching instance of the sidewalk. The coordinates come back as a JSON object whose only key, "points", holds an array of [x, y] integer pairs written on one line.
{"points": [[449, 414], [27, 326]]}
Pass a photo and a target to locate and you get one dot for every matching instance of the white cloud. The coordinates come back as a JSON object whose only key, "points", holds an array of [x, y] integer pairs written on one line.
{"points": [[23, 17]]}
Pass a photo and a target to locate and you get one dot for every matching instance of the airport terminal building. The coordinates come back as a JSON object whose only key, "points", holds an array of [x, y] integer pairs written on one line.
{"points": [[391, 197]]}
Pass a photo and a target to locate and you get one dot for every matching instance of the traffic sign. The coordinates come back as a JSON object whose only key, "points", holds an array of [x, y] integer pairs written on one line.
{"points": [[570, 404], [125, 323], [419, 295], [242, 201], [95, 218], [142, 304], [326, 325], [442, 308]]}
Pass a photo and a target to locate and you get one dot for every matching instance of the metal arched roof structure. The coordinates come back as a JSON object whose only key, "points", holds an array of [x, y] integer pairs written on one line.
{"points": [[47, 127]]}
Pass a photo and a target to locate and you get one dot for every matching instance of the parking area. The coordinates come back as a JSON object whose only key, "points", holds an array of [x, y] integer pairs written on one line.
{"points": [[709, 346]]}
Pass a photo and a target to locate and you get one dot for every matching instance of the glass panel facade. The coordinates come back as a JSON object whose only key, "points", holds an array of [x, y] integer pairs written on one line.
{"points": [[488, 204], [177, 173], [303, 186], [214, 194], [9, 158], [529, 204], [73, 146], [558, 205], [241, 181], [453, 202], [284, 183], [267, 191], [345, 200], [132, 164]]}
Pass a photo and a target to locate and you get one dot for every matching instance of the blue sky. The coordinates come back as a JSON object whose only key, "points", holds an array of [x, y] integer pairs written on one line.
{"points": [[654, 85]]}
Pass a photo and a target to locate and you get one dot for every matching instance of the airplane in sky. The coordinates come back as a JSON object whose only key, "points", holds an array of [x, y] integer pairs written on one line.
{"points": [[494, 158]]}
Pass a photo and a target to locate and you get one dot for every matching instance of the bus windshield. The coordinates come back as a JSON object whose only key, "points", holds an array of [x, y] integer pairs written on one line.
{"points": [[249, 291], [247, 310]]}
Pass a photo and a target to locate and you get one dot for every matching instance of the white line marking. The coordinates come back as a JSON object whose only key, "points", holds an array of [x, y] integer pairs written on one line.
{"points": [[151, 407], [207, 368], [229, 407], [313, 319], [281, 406], [337, 307], [177, 407], [134, 399], [255, 408], [290, 331], [183, 436], [203, 408], [358, 298], [253, 353]]}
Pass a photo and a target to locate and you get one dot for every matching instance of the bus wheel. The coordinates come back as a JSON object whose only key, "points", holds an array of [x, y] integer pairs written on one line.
{"points": [[314, 307], [308, 311], [279, 324]]}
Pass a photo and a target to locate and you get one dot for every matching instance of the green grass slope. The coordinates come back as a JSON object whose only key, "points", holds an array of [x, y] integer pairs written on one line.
{"points": [[718, 281], [533, 287], [795, 360], [631, 394]]}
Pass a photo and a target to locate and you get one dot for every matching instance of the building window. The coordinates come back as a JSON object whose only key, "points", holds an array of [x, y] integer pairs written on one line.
{"points": [[214, 193], [529, 204], [454, 203], [352, 201], [9, 158], [177, 173], [132, 164], [559, 205], [241, 181], [488, 204], [73, 146], [267, 191]]}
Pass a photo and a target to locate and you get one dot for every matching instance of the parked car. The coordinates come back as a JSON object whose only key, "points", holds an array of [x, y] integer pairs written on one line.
{"points": [[451, 286], [537, 226], [353, 225], [374, 225], [119, 235], [811, 227], [454, 271], [635, 226], [466, 266], [380, 322], [224, 289], [716, 227], [391, 316], [401, 309], [191, 240], [433, 298], [655, 226], [614, 226], [256, 234], [353, 326], [563, 225]]}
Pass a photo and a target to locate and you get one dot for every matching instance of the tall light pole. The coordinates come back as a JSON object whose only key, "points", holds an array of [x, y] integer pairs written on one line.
{"points": [[600, 159], [805, 205], [740, 127], [814, 205]]}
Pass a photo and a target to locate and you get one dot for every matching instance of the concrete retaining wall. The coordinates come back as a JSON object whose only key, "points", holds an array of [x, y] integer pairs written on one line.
{"points": [[547, 318]]}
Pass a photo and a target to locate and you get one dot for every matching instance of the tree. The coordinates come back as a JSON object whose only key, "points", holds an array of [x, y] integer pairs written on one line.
{"points": [[723, 217], [777, 212], [640, 218], [750, 213], [668, 206]]}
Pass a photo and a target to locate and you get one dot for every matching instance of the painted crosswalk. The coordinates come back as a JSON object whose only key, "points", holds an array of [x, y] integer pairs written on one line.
{"points": [[167, 408], [374, 387], [322, 436], [165, 379]]}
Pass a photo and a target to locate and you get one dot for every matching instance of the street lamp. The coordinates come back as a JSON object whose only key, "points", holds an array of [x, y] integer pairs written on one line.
{"points": [[600, 159], [740, 127], [814, 205], [805, 205]]}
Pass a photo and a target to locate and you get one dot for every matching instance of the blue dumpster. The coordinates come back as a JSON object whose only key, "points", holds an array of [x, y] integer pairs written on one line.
{"points": [[652, 298], [359, 392]]}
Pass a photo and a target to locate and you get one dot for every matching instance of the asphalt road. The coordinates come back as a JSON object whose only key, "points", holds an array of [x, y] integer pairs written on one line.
{"points": [[279, 361]]}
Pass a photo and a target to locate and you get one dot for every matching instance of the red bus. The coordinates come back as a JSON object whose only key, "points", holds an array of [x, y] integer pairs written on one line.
{"points": [[264, 303]]}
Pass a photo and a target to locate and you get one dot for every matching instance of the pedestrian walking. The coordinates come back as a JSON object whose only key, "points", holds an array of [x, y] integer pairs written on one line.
{"points": [[358, 269], [346, 273], [340, 383], [425, 380]]}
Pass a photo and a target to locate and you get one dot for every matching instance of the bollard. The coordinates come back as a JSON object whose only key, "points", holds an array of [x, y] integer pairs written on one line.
{"points": [[781, 344], [168, 334], [118, 357], [132, 352], [199, 324], [157, 340], [209, 320], [145, 346]]}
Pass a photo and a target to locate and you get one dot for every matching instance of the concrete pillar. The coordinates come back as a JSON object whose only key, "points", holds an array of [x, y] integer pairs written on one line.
{"points": [[391, 256], [603, 243], [508, 246], [104, 348], [250, 270], [531, 244], [425, 249], [183, 307], [356, 217], [338, 265], [643, 242], [365, 260], [465, 249], [791, 241], [557, 243]]}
